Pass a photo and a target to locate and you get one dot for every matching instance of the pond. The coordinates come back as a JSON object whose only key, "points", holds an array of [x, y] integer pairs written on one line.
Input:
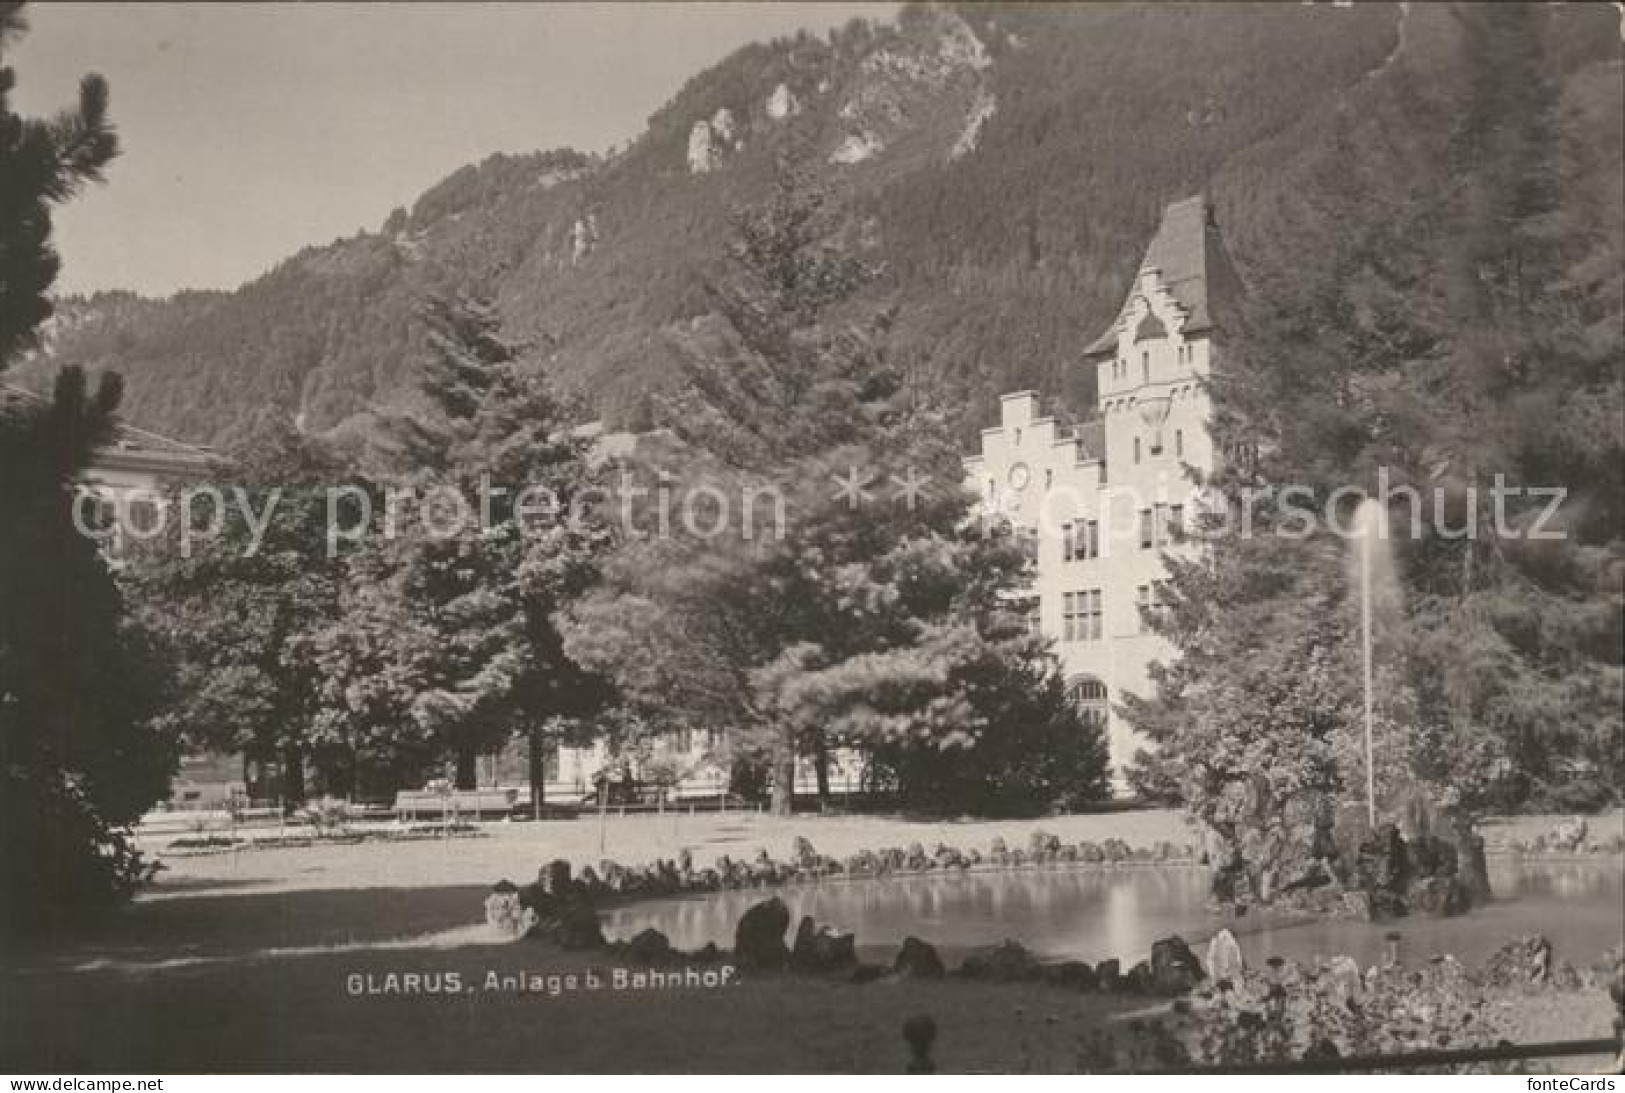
{"points": [[1096, 914]]}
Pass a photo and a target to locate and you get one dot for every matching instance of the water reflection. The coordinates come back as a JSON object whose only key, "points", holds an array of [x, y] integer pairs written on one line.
{"points": [[1092, 914]]}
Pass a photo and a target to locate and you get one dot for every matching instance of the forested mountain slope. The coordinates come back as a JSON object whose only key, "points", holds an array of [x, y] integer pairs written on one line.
{"points": [[1007, 164]]}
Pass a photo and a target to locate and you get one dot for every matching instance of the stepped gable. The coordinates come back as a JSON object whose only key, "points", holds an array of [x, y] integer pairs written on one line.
{"points": [[1193, 264]]}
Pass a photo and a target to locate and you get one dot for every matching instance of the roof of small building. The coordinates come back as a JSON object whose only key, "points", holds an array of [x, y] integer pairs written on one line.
{"points": [[1188, 252], [126, 437]]}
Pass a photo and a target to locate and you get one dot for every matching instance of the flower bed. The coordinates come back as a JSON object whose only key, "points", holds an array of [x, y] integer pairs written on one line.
{"points": [[198, 845]]}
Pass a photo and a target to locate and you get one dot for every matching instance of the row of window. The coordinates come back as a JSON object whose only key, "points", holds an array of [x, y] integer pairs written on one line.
{"points": [[1080, 539], [1082, 617], [1083, 612], [1120, 365]]}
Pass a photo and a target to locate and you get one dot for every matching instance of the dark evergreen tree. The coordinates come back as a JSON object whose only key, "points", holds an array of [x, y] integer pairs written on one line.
{"points": [[43, 162], [838, 622], [448, 638], [78, 761]]}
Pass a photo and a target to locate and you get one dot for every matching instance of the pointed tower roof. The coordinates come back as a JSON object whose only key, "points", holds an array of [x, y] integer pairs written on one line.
{"points": [[1193, 264]]}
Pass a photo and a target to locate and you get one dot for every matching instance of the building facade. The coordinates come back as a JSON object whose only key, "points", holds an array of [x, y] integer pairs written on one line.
{"points": [[1101, 505]]}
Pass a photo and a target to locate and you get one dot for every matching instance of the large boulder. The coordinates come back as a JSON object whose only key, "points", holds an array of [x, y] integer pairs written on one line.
{"points": [[918, 958], [1043, 847], [759, 937], [822, 949], [1174, 968], [1382, 860], [1437, 896], [802, 854], [1471, 869], [1224, 959], [1070, 975], [1346, 980], [649, 947], [570, 922], [1139, 980], [506, 913], [1430, 856], [1525, 961], [554, 877], [1007, 962], [1382, 868]]}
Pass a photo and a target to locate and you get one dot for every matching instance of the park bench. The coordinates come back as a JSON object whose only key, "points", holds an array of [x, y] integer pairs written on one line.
{"points": [[462, 804]]}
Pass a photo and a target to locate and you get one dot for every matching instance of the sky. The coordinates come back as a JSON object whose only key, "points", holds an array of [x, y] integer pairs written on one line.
{"points": [[251, 130]]}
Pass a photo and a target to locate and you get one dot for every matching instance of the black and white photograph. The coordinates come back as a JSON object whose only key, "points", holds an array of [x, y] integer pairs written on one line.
{"points": [[732, 538]]}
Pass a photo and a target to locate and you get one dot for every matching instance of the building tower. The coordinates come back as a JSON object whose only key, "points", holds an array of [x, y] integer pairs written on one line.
{"points": [[1101, 506]]}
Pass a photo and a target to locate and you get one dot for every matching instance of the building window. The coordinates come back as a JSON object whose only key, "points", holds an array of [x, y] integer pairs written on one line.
{"points": [[1136, 449], [1145, 366], [1033, 620], [1081, 617], [1028, 540], [1151, 599], [1179, 442], [1080, 540], [1157, 525], [1088, 695]]}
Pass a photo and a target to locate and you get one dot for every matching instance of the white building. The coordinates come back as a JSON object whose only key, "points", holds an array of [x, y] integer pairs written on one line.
{"points": [[1099, 504]]}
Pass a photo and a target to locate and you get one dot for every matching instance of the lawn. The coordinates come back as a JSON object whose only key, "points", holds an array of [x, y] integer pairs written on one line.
{"points": [[517, 850]]}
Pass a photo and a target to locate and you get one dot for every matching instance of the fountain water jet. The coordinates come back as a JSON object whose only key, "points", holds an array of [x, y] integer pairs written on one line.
{"points": [[1374, 566]]}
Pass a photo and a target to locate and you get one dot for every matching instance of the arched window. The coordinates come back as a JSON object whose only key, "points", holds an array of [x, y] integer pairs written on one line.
{"points": [[1088, 694], [1136, 449]]}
